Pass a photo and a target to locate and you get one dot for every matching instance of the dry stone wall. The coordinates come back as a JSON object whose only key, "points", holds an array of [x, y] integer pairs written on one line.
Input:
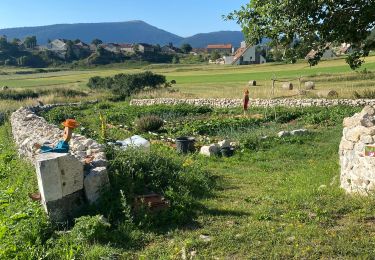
{"points": [[28, 129], [229, 103], [357, 169]]}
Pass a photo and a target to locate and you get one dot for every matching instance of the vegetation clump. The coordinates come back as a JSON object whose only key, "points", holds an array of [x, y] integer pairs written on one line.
{"points": [[124, 85], [136, 172], [149, 123], [366, 94]]}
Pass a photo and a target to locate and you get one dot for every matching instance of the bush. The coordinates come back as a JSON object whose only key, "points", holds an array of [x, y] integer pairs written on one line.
{"points": [[149, 123], [18, 95], [135, 173], [124, 85], [90, 229]]}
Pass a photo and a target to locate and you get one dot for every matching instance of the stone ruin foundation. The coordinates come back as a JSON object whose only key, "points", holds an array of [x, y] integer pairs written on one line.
{"points": [[357, 167], [65, 182]]}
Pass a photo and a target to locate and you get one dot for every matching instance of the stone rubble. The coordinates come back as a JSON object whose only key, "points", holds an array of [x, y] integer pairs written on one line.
{"points": [[230, 103], [214, 149], [357, 170], [28, 129], [293, 132]]}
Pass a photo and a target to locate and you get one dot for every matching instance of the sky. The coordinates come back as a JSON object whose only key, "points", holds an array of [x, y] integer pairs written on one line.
{"points": [[184, 18]]}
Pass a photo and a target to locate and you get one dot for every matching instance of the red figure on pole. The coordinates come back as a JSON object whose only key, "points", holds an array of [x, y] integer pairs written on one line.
{"points": [[245, 100]]}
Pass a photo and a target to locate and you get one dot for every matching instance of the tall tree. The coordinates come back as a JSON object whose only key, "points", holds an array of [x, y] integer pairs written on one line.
{"points": [[30, 42], [315, 23], [186, 48]]}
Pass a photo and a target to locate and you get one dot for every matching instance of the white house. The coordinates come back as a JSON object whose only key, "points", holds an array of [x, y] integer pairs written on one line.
{"points": [[59, 47], [246, 55]]}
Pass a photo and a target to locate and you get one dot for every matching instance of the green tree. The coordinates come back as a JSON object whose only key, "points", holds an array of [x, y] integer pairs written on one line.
{"points": [[186, 48], [175, 59], [315, 23], [215, 55], [30, 42], [96, 42], [70, 54], [16, 41]]}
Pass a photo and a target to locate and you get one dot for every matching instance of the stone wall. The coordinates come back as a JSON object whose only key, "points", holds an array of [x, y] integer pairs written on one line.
{"points": [[229, 103], [28, 129], [358, 170]]}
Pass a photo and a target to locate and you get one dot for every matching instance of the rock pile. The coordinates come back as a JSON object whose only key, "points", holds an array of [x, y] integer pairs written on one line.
{"points": [[215, 149], [229, 103], [357, 169], [28, 129], [294, 132]]}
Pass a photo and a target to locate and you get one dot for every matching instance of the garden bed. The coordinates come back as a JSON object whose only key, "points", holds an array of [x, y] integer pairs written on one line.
{"points": [[276, 197]]}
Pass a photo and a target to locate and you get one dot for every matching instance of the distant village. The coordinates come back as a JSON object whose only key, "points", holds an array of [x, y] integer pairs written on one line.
{"points": [[97, 52]]}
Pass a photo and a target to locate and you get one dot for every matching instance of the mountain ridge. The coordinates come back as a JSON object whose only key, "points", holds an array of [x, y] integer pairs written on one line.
{"points": [[135, 31]]}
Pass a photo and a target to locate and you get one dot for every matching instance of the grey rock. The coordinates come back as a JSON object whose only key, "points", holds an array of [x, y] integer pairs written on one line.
{"points": [[283, 134]]}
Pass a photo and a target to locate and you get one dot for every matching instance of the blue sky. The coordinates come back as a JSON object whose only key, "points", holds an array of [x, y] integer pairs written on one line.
{"points": [[183, 18]]}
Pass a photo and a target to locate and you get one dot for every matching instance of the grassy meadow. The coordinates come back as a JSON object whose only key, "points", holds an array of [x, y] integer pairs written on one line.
{"points": [[276, 198], [202, 81]]}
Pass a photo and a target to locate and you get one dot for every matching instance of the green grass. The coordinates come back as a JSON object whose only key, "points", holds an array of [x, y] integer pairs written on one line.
{"points": [[282, 200], [213, 80]]}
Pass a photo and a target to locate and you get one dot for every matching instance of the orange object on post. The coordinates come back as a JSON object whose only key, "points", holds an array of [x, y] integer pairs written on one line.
{"points": [[71, 123]]}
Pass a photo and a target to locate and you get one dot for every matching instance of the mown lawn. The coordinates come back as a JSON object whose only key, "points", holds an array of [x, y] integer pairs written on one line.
{"points": [[277, 200]]}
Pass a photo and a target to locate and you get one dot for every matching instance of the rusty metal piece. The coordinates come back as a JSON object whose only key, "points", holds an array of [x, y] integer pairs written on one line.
{"points": [[154, 202]]}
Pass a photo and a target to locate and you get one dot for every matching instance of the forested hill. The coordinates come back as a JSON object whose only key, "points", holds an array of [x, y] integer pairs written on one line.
{"points": [[120, 32]]}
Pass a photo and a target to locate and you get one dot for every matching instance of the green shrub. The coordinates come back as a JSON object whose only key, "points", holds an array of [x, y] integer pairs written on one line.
{"points": [[135, 173], [60, 114], [18, 95], [149, 123], [104, 105], [124, 85], [90, 229]]}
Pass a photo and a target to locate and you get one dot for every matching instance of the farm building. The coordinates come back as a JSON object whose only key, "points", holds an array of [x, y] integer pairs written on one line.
{"points": [[144, 47], [220, 48], [246, 55], [328, 54], [170, 49], [127, 47]]}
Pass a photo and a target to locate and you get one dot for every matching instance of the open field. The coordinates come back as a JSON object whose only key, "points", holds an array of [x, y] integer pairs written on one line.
{"points": [[215, 80], [276, 198]]}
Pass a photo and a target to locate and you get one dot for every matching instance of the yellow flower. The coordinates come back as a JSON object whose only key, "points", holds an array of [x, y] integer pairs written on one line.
{"points": [[187, 162]]}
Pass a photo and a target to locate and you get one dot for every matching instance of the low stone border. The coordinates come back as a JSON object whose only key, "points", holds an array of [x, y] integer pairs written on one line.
{"points": [[231, 103], [357, 169], [28, 128]]}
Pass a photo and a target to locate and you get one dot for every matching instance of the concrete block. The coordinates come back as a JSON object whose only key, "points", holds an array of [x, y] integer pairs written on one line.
{"points": [[59, 174], [66, 208], [71, 174], [210, 150], [94, 182]]}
